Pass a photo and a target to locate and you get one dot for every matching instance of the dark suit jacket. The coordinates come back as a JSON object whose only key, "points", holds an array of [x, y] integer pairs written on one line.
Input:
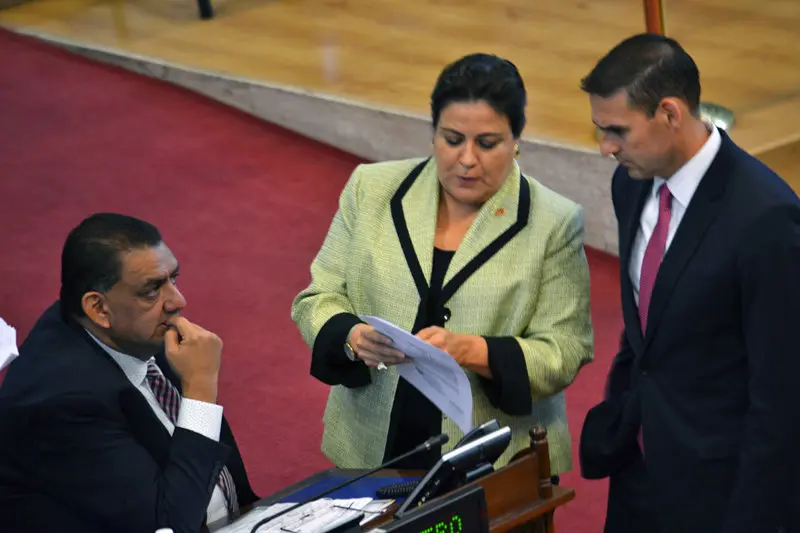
{"points": [[81, 450], [713, 380]]}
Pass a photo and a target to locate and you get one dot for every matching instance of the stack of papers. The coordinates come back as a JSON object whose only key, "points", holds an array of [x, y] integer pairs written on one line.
{"points": [[8, 344], [431, 371], [315, 517]]}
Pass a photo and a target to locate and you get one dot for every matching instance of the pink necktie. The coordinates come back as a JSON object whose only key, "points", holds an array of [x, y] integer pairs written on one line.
{"points": [[170, 401], [652, 260], [653, 254]]}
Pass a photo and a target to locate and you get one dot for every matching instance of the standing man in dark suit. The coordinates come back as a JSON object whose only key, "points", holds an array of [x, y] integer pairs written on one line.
{"points": [[700, 428], [108, 417]]}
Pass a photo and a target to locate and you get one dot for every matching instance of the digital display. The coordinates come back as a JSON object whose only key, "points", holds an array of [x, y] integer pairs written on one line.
{"points": [[452, 525], [461, 511]]}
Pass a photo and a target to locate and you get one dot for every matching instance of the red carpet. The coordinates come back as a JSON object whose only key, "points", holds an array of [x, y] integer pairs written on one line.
{"points": [[243, 204]]}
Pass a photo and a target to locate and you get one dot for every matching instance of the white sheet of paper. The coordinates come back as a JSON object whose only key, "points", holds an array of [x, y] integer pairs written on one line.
{"points": [[432, 371], [8, 344], [315, 517]]}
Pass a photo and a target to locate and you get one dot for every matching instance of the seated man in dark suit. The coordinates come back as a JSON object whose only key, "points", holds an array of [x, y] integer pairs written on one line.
{"points": [[108, 418]]}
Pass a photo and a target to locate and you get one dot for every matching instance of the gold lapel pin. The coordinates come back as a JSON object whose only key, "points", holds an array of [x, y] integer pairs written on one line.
{"points": [[500, 212]]}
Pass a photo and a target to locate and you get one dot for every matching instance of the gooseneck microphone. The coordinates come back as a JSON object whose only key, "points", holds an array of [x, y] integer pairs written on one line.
{"points": [[431, 443]]}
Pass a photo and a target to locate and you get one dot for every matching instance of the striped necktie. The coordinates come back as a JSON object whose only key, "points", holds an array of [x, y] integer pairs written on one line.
{"points": [[170, 401]]}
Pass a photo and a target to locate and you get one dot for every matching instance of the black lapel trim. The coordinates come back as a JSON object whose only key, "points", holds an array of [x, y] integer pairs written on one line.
{"points": [[702, 211], [398, 217], [400, 226], [523, 215]]}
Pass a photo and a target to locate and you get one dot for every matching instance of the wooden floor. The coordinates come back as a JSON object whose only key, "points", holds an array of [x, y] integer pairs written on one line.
{"points": [[388, 52]]}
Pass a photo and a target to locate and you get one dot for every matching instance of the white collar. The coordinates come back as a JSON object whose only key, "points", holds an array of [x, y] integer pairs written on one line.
{"points": [[685, 181], [134, 368]]}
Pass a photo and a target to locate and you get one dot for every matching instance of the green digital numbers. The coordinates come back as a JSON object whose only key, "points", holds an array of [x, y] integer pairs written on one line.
{"points": [[455, 526]]}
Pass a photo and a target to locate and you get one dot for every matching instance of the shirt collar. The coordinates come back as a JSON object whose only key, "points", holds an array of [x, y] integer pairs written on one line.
{"points": [[134, 368], [685, 181]]}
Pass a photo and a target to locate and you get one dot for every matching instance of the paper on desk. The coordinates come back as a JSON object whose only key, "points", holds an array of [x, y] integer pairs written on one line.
{"points": [[315, 517], [432, 371], [8, 344]]}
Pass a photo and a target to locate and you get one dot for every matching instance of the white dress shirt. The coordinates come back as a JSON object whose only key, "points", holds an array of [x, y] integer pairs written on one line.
{"points": [[201, 417], [682, 186]]}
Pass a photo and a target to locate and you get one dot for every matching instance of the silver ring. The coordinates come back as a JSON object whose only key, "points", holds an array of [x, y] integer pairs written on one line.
{"points": [[382, 366]]}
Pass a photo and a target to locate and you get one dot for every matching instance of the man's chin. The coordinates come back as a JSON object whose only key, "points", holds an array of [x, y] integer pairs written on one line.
{"points": [[638, 174], [142, 349], [157, 340], [153, 348]]}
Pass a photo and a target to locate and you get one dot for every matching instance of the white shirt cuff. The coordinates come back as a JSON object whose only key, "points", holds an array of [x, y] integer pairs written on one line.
{"points": [[201, 417]]}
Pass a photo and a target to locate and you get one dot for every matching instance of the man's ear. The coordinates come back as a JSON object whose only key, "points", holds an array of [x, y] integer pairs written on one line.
{"points": [[96, 308], [672, 112]]}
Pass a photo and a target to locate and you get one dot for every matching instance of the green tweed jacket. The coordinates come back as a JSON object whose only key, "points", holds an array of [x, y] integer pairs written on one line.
{"points": [[519, 273]]}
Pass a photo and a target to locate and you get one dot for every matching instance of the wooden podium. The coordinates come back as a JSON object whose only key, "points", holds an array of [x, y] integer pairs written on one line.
{"points": [[519, 497]]}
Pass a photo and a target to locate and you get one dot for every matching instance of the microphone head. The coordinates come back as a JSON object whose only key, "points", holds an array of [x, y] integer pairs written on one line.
{"points": [[438, 440]]}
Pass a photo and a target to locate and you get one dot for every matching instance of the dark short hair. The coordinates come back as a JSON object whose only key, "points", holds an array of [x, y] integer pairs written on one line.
{"points": [[649, 67], [90, 259], [482, 77]]}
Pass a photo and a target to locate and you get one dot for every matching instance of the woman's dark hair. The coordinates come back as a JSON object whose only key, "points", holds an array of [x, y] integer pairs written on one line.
{"points": [[482, 77], [90, 259], [649, 67]]}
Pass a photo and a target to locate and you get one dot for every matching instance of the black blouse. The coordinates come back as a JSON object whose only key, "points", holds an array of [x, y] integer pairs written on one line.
{"points": [[414, 418]]}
